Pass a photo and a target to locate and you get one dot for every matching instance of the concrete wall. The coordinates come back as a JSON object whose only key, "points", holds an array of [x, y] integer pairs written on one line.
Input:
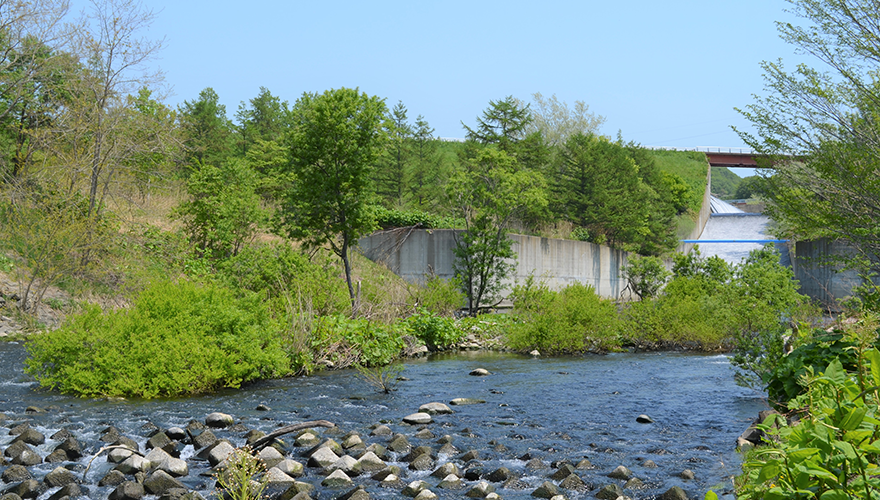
{"points": [[819, 277], [416, 253]]}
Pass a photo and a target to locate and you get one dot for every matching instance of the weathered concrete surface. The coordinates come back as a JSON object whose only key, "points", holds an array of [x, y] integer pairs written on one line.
{"points": [[825, 282]]}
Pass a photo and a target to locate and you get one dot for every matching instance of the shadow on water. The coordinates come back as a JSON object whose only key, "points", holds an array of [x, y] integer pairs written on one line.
{"points": [[552, 408]]}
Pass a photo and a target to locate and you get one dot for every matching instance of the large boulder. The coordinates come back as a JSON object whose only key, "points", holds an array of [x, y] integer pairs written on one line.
{"points": [[160, 481], [323, 458], [435, 409], [128, 490], [417, 419], [59, 477], [219, 420]]}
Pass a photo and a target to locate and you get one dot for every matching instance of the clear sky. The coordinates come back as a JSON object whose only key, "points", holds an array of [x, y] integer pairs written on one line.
{"points": [[665, 74]]}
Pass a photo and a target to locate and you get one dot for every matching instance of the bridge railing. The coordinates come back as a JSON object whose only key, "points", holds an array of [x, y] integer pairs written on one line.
{"points": [[706, 149]]}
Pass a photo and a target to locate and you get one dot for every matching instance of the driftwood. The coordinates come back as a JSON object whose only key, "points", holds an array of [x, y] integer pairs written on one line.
{"points": [[108, 448], [268, 438]]}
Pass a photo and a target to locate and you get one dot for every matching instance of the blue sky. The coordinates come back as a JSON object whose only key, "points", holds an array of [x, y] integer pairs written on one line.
{"points": [[662, 73]]}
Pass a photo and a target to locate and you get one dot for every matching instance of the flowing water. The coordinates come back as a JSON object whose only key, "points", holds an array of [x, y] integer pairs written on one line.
{"points": [[552, 408], [730, 223]]}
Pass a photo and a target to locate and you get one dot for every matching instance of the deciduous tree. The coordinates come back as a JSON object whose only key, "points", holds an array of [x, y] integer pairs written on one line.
{"points": [[336, 138]]}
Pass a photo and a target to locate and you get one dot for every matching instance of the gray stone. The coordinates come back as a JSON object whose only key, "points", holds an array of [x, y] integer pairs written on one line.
{"points": [[15, 449], [71, 447], [399, 444], [562, 472], [59, 477], [27, 457], [445, 470], [435, 409], [175, 433], [67, 491], [358, 493], [687, 474], [219, 453], [323, 458], [417, 419], [56, 456], [425, 434], [133, 464], [270, 457], [346, 464], [466, 401], [113, 478], [15, 474], [413, 488], [644, 419], [117, 455], [584, 465], [290, 467], [352, 441], [609, 492], [306, 439], [30, 436], [159, 440], [634, 484], [204, 439], [620, 472], [160, 481], [499, 475], [574, 483], [129, 490], [480, 490], [451, 482], [546, 490], [369, 462], [381, 430], [275, 476], [337, 479], [479, 372], [219, 420], [29, 488], [649, 464], [674, 493], [426, 494], [422, 462]]}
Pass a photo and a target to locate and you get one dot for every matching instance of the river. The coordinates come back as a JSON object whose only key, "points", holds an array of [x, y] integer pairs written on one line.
{"points": [[564, 408]]}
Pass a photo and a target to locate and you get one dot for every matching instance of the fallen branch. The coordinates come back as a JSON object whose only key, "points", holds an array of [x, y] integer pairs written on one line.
{"points": [[265, 440]]}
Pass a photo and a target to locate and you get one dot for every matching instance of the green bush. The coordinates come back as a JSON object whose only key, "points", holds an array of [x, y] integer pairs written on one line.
{"points": [[574, 319], [440, 296], [438, 333], [391, 218], [645, 275], [345, 342], [177, 338]]}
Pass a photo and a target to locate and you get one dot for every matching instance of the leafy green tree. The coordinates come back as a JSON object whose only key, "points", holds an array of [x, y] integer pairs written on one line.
{"points": [[205, 130], [503, 123], [264, 118], [488, 195], [223, 210], [819, 126], [336, 138], [749, 187], [391, 175], [425, 172]]}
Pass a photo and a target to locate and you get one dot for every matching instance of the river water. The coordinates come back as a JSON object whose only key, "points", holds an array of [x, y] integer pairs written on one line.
{"points": [[553, 408]]}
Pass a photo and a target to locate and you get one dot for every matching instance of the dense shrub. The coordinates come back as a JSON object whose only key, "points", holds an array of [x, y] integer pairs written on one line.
{"points": [[341, 341], [574, 319], [438, 333], [440, 296], [177, 338], [388, 218]]}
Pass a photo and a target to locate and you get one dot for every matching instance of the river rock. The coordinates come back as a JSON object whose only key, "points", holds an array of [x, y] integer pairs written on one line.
{"points": [[276, 477], [378, 450], [160, 481], [620, 472], [29, 488], [71, 447], [418, 450], [634, 484], [56, 456], [417, 419], [337, 479], [649, 464], [323, 457], [573, 482], [381, 430], [687, 474], [176, 433], [479, 372], [133, 464], [674, 493], [466, 401], [426, 494], [346, 464], [204, 439], [117, 455], [451, 482], [480, 490], [425, 434], [219, 420], [609, 492], [445, 470], [370, 462], [546, 490], [113, 478], [584, 464], [644, 419], [562, 472], [413, 488], [307, 438], [352, 441], [67, 492], [30, 436], [290, 467], [469, 455], [536, 464], [499, 475], [59, 477], [422, 462], [358, 493], [219, 452], [15, 474], [448, 450], [27, 457], [435, 409], [159, 440], [328, 443], [399, 444], [15, 449], [270, 457], [129, 490]]}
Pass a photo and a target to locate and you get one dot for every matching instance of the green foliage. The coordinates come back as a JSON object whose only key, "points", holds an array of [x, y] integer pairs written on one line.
{"points": [[243, 478], [688, 166], [392, 218], [439, 296], [176, 339], [344, 341], [223, 210], [572, 320], [749, 187], [645, 276], [833, 450], [438, 333], [725, 183], [383, 377], [205, 130], [335, 140]]}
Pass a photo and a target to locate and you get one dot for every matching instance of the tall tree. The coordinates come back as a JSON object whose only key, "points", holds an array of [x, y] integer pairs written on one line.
{"points": [[263, 118], [424, 174], [205, 129], [335, 140], [820, 127], [503, 123], [488, 195], [557, 122], [391, 176]]}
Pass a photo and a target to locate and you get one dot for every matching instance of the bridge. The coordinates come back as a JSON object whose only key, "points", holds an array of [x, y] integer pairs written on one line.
{"points": [[724, 157]]}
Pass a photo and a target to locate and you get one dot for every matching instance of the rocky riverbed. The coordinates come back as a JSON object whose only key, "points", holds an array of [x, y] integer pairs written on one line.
{"points": [[413, 457]]}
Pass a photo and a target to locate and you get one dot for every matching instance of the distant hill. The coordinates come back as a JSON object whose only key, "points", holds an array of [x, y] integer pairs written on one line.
{"points": [[724, 183]]}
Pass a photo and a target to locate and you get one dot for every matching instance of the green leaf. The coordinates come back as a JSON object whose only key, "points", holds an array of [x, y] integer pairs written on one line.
{"points": [[834, 495], [853, 419], [769, 471], [802, 454], [873, 357], [710, 495], [835, 372]]}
